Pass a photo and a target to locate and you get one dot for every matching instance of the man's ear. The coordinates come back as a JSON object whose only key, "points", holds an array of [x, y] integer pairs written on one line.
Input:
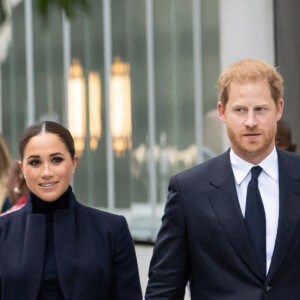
{"points": [[280, 105], [221, 110]]}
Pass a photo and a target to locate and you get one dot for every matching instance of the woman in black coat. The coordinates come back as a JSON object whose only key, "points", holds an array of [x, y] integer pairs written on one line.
{"points": [[55, 247]]}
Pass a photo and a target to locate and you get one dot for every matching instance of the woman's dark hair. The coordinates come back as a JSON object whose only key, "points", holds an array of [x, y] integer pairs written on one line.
{"points": [[50, 127]]}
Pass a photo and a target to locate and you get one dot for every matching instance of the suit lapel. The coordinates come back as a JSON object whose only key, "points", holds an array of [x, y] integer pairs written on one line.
{"points": [[226, 206], [289, 211]]}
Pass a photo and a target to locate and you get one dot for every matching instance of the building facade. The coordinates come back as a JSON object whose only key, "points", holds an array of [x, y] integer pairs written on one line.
{"points": [[134, 81]]}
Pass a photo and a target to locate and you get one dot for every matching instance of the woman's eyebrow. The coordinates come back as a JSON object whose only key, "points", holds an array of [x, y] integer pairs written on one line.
{"points": [[56, 153], [33, 156]]}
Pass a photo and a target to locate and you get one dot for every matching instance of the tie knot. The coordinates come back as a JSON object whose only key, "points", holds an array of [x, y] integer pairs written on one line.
{"points": [[255, 171]]}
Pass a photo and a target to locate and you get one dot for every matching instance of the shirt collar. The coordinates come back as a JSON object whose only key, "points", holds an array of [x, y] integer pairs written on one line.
{"points": [[241, 168]]}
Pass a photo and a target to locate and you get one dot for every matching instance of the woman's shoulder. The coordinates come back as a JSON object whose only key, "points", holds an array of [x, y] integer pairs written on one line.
{"points": [[82, 209], [100, 215], [102, 223], [10, 219]]}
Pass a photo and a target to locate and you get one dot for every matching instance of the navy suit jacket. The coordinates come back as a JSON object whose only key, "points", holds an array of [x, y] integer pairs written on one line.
{"points": [[94, 252], [203, 238]]}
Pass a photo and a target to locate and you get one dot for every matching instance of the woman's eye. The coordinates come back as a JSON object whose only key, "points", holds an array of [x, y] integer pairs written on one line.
{"points": [[34, 162], [57, 160]]}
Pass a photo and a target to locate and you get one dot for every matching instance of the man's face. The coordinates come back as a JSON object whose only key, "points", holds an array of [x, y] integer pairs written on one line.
{"points": [[251, 117]]}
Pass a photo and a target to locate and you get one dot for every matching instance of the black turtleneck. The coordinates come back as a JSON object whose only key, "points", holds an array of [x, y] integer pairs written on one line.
{"points": [[48, 208], [50, 288]]}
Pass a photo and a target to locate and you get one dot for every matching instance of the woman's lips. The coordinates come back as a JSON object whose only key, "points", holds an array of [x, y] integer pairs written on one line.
{"points": [[47, 184]]}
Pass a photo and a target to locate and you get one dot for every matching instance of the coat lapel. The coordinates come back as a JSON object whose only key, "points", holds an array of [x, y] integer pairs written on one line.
{"points": [[65, 247], [33, 255], [289, 210], [226, 206]]}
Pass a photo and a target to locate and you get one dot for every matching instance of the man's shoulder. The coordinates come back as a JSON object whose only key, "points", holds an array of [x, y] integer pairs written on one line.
{"points": [[288, 155], [289, 162]]}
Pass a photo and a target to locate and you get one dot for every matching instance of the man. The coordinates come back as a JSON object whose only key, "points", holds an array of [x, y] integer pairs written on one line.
{"points": [[232, 231], [283, 139]]}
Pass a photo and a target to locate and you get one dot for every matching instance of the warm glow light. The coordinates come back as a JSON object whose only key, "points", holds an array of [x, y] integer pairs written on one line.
{"points": [[76, 106], [120, 106], [94, 109]]}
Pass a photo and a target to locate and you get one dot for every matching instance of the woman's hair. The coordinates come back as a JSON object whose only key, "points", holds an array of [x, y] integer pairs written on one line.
{"points": [[4, 156], [50, 127], [15, 168], [250, 70], [15, 178]]}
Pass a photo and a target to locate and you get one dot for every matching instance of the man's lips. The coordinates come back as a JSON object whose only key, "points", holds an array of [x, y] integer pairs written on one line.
{"points": [[251, 134]]}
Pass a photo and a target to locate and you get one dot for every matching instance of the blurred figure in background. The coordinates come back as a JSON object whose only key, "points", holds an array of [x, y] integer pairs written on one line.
{"points": [[16, 187], [283, 138], [4, 164]]}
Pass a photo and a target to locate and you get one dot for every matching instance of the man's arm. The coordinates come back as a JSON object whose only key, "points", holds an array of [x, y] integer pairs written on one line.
{"points": [[169, 267]]}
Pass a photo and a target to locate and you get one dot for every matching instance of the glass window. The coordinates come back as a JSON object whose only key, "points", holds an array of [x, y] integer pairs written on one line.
{"points": [[144, 103]]}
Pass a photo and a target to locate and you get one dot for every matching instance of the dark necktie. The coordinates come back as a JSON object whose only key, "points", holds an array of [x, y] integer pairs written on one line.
{"points": [[255, 218]]}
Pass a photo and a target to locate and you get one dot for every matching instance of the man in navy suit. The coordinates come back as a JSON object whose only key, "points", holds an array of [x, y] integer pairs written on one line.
{"points": [[231, 241]]}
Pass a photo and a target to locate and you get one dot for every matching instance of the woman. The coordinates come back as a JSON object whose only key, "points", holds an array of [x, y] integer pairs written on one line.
{"points": [[4, 164], [16, 187], [54, 247]]}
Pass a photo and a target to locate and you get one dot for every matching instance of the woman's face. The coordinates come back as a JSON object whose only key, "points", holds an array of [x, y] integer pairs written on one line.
{"points": [[47, 166]]}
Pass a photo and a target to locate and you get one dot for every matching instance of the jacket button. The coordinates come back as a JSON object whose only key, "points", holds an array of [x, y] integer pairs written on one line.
{"points": [[267, 288]]}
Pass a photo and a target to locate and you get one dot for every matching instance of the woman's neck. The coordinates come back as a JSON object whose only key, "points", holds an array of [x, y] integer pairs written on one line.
{"points": [[40, 206]]}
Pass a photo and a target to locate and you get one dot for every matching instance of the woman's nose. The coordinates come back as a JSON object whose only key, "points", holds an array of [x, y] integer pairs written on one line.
{"points": [[46, 171]]}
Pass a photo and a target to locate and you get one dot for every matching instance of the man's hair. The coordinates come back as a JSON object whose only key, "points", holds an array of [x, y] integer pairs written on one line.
{"points": [[250, 70]]}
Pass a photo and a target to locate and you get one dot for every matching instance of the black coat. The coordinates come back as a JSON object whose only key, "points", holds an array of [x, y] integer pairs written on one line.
{"points": [[94, 252], [203, 238]]}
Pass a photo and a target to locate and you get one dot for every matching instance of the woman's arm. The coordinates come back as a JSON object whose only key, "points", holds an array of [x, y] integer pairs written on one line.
{"points": [[126, 282]]}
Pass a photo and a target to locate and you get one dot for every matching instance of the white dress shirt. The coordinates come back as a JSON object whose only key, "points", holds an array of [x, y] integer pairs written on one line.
{"points": [[268, 184]]}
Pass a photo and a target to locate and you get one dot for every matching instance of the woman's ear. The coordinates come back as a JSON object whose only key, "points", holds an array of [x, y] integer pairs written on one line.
{"points": [[75, 162], [20, 177], [21, 168]]}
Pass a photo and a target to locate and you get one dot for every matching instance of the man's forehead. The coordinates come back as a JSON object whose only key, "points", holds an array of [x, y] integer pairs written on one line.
{"points": [[247, 80]]}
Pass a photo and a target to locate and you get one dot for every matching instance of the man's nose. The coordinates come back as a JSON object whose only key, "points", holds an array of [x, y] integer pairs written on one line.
{"points": [[251, 120]]}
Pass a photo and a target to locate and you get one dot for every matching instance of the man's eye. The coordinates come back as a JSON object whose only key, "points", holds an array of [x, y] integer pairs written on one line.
{"points": [[57, 160], [260, 109], [239, 109]]}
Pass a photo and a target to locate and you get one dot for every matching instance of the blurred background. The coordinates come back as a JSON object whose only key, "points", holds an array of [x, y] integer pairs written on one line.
{"points": [[134, 81]]}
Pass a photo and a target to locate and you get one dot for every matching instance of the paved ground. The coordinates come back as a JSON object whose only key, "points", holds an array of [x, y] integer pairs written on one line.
{"points": [[144, 254]]}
